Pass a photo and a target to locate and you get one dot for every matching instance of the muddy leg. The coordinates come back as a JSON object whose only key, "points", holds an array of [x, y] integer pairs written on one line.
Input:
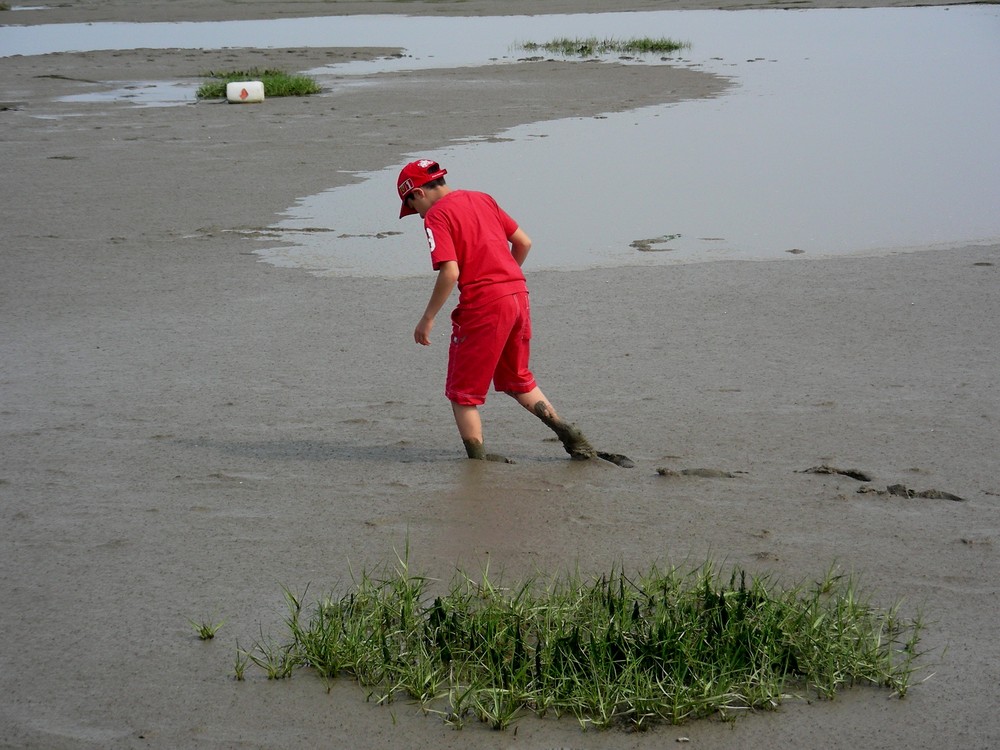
{"points": [[576, 445], [475, 449], [470, 427], [572, 438]]}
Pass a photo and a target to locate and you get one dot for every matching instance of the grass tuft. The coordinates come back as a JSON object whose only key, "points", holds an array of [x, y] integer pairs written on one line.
{"points": [[276, 83], [206, 629], [592, 46], [664, 647]]}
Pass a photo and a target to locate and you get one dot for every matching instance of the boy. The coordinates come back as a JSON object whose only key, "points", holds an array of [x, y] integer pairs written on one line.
{"points": [[476, 245]]}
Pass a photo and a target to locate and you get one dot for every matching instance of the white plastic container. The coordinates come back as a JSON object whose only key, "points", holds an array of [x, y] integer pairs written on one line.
{"points": [[245, 92]]}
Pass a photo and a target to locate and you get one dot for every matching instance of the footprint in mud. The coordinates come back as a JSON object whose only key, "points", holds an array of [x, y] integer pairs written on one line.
{"points": [[700, 472], [861, 476], [901, 490], [897, 490], [973, 541]]}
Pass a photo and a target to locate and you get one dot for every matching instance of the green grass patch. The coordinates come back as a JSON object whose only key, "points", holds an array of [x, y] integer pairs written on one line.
{"points": [[206, 629], [664, 647], [276, 83], [592, 46]]}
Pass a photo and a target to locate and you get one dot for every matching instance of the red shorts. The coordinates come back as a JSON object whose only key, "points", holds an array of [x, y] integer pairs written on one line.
{"points": [[491, 342]]}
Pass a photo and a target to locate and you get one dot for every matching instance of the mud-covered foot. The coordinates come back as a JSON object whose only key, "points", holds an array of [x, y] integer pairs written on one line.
{"points": [[475, 450], [576, 445], [617, 459]]}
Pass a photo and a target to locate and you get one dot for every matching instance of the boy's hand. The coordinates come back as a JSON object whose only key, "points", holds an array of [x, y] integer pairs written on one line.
{"points": [[446, 279], [422, 333]]}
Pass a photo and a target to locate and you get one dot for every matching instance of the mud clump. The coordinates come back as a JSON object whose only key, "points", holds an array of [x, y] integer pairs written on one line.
{"points": [[901, 490], [699, 472], [861, 476], [647, 246]]}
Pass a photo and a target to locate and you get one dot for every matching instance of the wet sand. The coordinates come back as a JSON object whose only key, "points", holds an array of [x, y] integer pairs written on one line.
{"points": [[185, 429]]}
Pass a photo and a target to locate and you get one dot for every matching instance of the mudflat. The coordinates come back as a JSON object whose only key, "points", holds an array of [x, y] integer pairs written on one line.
{"points": [[185, 429]]}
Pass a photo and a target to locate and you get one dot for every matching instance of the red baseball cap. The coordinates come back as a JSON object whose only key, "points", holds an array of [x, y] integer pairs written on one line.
{"points": [[416, 174]]}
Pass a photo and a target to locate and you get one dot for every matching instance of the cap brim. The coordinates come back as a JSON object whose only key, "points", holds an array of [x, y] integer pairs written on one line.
{"points": [[406, 209]]}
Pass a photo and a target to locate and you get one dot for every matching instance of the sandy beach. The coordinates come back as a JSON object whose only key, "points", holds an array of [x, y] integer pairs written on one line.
{"points": [[185, 429]]}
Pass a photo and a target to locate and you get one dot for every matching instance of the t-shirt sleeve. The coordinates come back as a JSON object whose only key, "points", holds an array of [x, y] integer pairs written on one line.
{"points": [[508, 224], [439, 240]]}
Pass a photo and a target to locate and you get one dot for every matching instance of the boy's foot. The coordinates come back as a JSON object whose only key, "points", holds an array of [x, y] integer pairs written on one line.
{"points": [[576, 445], [617, 459], [477, 451]]}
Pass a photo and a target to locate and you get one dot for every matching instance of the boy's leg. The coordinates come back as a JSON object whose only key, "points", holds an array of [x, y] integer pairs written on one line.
{"points": [[572, 438], [476, 344], [470, 427]]}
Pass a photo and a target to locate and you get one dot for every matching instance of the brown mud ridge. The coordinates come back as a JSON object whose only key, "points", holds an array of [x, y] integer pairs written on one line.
{"points": [[901, 490], [702, 473], [861, 476], [898, 490], [647, 246]]}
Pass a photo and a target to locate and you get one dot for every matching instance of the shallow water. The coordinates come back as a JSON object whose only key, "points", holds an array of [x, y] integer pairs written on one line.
{"points": [[141, 94], [847, 131]]}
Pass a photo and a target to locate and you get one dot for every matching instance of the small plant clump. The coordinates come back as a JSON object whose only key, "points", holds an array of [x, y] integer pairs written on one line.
{"points": [[618, 650], [276, 83], [206, 629], [592, 46]]}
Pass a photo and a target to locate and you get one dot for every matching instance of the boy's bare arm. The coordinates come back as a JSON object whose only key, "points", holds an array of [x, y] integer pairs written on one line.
{"points": [[520, 244], [446, 279]]}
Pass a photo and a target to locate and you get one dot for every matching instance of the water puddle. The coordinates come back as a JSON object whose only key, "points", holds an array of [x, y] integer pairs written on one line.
{"points": [[140, 94], [849, 131]]}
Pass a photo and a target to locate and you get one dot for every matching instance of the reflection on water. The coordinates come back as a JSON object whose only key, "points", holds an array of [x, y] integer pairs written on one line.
{"points": [[847, 131]]}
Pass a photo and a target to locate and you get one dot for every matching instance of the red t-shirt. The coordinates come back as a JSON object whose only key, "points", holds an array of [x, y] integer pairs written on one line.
{"points": [[471, 229]]}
